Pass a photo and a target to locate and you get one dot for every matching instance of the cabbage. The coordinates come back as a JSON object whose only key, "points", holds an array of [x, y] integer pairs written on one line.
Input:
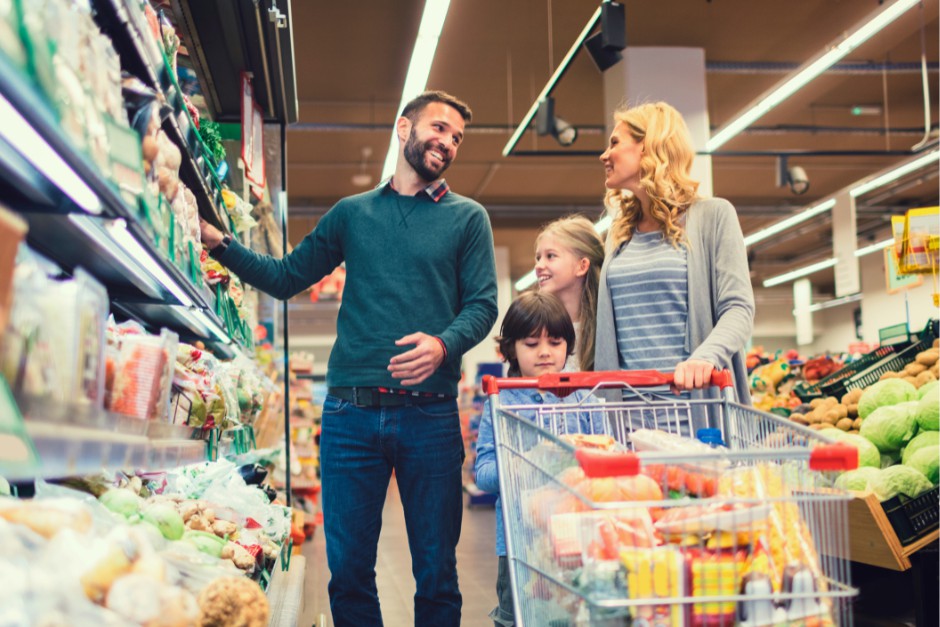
{"points": [[890, 459], [927, 461], [927, 388], [857, 479], [899, 480], [121, 501], [867, 452], [927, 413], [922, 440], [889, 428], [884, 393]]}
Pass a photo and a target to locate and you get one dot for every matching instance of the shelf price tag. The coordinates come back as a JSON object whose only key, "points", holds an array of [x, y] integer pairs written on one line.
{"points": [[252, 135], [18, 456]]}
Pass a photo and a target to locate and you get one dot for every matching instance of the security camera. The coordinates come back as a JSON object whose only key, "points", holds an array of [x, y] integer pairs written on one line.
{"points": [[799, 182]]}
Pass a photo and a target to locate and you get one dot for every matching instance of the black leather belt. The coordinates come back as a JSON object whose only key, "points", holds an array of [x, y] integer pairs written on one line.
{"points": [[373, 397]]}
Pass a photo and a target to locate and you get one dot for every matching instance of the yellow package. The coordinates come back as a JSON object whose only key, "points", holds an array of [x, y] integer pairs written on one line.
{"points": [[657, 573]]}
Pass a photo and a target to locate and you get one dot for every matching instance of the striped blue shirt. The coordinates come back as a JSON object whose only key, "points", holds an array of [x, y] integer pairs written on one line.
{"points": [[648, 282]]}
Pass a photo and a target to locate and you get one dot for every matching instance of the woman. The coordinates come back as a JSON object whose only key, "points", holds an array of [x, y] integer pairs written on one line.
{"points": [[675, 291]]}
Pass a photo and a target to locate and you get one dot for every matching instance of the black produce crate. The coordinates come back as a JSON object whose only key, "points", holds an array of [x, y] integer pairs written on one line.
{"points": [[930, 332], [818, 389], [863, 377], [913, 518]]}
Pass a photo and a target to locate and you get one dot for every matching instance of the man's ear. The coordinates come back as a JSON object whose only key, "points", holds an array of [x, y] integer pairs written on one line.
{"points": [[403, 128]]}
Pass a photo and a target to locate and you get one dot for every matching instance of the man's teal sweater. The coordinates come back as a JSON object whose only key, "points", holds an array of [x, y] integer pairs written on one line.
{"points": [[412, 265]]}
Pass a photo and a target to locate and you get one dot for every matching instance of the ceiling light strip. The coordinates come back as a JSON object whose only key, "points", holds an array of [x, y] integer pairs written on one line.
{"points": [[893, 175], [792, 221], [833, 53], [800, 272], [429, 33], [835, 302], [550, 85], [867, 250], [20, 134]]}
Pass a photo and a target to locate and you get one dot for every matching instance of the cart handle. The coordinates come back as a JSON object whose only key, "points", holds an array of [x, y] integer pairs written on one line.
{"points": [[833, 457], [564, 383], [597, 464]]}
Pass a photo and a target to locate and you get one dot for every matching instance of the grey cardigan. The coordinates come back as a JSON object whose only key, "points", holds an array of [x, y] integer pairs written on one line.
{"points": [[721, 300]]}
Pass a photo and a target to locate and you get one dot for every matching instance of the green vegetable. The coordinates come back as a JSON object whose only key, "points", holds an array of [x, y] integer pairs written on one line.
{"points": [[889, 428], [208, 543], [899, 480], [857, 479], [121, 501], [890, 459], [165, 518], [927, 388], [927, 461], [868, 454], [885, 393], [927, 413], [924, 439]]}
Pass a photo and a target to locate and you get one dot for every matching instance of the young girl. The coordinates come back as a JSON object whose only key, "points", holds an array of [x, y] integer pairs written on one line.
{"points": [[568, 258], [536, 338]]}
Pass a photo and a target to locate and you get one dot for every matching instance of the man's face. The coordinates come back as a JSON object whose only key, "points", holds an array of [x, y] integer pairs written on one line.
{"points": [[433, 141]]}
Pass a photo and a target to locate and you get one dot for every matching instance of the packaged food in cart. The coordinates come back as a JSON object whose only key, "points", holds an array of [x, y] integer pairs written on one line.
{"points": [[620, 534]]}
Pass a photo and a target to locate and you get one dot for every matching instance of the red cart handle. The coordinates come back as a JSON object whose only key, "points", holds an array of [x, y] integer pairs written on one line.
{"points": [[597, 464], [833, 457], [564, 383]]}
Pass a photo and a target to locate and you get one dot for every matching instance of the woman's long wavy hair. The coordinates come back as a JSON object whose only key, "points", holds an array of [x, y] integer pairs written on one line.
{"points": [[578, 235], [664, 173]]}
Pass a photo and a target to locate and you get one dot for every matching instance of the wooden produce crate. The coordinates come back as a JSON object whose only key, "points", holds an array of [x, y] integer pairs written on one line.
{"points": [[874, 541]]}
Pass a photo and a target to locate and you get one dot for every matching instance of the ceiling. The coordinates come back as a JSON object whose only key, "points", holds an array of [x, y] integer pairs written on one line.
{"points": [[351, 59]]}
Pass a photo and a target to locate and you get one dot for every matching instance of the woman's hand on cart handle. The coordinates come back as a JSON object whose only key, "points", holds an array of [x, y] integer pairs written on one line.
{"points": [[563, 383], [597, 464], [693, 374]]}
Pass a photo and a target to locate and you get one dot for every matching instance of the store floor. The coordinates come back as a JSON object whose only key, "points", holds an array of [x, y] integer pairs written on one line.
{"points": [[476, 568]]}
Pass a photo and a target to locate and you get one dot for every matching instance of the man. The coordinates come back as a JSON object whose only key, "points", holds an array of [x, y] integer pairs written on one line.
{"points": [[420, 273]]}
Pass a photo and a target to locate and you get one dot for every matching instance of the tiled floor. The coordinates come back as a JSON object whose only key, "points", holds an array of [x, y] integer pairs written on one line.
{"points": [[476, 567]]}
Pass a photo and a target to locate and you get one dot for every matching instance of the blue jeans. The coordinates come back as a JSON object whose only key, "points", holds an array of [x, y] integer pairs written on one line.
{"points": [[359, 448]]}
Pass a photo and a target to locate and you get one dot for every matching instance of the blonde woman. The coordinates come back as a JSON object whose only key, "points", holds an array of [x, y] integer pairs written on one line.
{"points": [[568, 258], [675, 288]]}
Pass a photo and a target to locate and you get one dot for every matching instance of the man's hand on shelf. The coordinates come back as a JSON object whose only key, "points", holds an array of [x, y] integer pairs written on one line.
{"points": [[211, 236]]}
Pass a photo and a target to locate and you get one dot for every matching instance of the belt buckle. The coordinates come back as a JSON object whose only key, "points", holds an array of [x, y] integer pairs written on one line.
{"points": [[364, 397]]}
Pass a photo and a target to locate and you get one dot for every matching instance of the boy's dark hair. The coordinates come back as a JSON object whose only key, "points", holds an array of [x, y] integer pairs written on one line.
{"points": [[417, 104], [527, 316]]}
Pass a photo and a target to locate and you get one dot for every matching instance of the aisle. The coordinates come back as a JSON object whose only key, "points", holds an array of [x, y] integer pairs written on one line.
{"points": [[476, 567]]}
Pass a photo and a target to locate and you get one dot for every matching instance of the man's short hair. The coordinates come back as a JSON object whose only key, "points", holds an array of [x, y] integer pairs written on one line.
{"points": [[417, 104]]}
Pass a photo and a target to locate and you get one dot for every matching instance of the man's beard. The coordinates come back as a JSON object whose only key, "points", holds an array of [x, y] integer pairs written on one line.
{"points": [[414, 155]]}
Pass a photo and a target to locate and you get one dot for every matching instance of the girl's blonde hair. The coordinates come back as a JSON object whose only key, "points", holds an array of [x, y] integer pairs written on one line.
{"points": [[578, 235], [664, 173]]}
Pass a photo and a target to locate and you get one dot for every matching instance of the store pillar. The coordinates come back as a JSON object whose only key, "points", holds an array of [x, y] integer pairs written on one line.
{"points": [[675, 75]]}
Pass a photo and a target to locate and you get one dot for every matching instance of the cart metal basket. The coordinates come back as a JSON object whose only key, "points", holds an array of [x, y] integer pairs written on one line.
{"points": [[638, 524]]}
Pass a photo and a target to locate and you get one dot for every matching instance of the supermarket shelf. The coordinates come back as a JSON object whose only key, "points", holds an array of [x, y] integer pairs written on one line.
{"points": [[227, 38]]}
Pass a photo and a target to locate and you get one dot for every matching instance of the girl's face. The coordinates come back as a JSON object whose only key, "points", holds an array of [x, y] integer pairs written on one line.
{"points": [[622, 160], [538, 355], [557, 267]]}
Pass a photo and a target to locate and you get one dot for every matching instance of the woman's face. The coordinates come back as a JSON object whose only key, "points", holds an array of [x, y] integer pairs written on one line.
{"points": [[557, 268], [622, 160]]}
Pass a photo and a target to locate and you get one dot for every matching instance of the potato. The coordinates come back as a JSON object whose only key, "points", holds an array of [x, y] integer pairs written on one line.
{"points": [[799, 419], [888, 375], [857, 423], [830, 400], [816, 402], [936, 343], [928, 357], [819, 425], [831, 416], [925, 377], [913, 369], [845, 424], [851, 397], [852, 410], [843, 410], [911, 380], [149, 147], [853, 431], [935, 369]]}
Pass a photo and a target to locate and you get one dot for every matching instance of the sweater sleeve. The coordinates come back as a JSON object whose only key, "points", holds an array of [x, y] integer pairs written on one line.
{"points": [[485, 466], [317, 255], [477, 285], [733, 296]]}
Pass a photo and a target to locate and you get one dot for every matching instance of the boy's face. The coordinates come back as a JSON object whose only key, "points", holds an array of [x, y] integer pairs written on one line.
{"points": [[541, 354]]}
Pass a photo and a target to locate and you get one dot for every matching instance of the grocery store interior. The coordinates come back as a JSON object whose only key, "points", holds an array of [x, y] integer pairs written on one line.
{"points": [[160, 417]]}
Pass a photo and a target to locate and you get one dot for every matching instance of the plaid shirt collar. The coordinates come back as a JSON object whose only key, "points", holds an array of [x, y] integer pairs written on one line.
{"points": [[435, 190]]}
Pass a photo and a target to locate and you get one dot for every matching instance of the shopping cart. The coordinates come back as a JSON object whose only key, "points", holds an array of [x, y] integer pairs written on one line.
{"points": [[662, 529]]}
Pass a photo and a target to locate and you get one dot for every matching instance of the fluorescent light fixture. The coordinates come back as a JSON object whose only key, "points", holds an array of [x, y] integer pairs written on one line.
{"points": [[210, 325], [833, 53], [801, 272], [550, 85], [432, 21], [600, 226], [783, 225], [129, 244], [895, 174], [21, 135], [94, 230], [835, 302], [867, 250]]}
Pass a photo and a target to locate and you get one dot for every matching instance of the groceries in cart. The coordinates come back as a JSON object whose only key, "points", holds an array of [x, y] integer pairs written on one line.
{"points": [[739, 527]]}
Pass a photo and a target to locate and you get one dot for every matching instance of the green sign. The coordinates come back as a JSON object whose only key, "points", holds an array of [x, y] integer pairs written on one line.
{"points": [[894, 280]]}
